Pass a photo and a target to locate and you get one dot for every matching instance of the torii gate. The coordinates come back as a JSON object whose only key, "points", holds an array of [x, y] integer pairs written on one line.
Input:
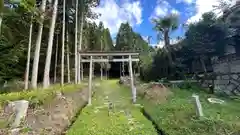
{"points": [[131, 57]]}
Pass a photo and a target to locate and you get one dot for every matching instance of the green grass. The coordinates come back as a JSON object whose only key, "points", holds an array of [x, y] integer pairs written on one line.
{"points": [[38, 96], [177, 115], [123, 119]]}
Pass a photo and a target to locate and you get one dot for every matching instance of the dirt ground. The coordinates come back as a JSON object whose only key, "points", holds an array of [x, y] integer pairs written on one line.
{"points": [[55, 117], [154, 92]]}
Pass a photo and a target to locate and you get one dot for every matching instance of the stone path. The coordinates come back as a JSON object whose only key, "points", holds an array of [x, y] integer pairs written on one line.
{"points": [[111, 113]]}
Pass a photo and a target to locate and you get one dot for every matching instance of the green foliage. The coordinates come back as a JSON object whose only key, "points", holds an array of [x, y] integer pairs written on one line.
{"points": [[165, 25], [156, 66], [177, 116], [128, 40], [207, 37], [37, 97], [13, 44], [15, 34], [124, 38], [146, 66], [1, 5]]}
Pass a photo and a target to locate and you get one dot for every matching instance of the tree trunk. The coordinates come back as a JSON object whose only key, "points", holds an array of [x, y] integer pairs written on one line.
{"points": [[68, 61], [101, 64], [166, 38], [46, 80], [28, 56], [123, 67], [75, 46], [82, 71], [56, 59], [1, 17], [63, 43], [167, 44], [80, 46], [101, 71], [203, 65], [38, 46]]}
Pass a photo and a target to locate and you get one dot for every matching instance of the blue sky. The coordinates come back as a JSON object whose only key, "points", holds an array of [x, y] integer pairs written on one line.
{"points": [[139, 13]]}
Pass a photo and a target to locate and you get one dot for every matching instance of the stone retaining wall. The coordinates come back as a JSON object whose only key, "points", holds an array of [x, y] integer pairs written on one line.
{"points": [[227, 83]]}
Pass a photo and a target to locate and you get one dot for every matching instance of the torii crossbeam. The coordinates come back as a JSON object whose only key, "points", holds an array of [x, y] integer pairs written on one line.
{"points": [[126, 57]]}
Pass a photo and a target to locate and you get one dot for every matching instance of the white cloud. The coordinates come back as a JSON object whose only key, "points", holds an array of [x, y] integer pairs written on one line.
{"points": [[163, 8], [172, 42], [145, 38], [113, 14], [185, 1], [203, 6], [174, 11]]}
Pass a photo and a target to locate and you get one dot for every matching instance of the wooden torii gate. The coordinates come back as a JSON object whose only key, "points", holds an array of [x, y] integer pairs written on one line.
{"points": [[104, 57]]}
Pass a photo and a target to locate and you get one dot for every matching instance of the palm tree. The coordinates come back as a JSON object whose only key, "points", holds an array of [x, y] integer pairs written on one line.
{"points": [[164, 26]]}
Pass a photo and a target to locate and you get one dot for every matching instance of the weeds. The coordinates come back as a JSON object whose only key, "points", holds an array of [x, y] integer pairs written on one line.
{"points": [[177, 115], [37, 97]]}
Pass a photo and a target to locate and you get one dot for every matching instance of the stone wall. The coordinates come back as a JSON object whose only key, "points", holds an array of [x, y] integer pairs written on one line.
{"points": [[228, 83], [227, 67], [227, 72]]}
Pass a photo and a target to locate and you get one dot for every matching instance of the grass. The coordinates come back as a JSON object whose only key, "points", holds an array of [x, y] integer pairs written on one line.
{"points": [[120, 118], [177, 116], [38, 96]]}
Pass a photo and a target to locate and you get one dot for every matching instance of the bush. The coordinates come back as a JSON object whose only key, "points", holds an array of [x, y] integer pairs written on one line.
{"points": [[38, 96]]}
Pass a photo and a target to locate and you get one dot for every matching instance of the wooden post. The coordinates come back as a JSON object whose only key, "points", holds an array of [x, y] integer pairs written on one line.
{"points": [[131, 77], [90, 81], [101, 69], [123, 69], [81, 70]]}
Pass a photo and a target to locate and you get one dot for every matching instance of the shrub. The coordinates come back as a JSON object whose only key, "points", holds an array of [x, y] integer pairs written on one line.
{"points": [[38, 96]]}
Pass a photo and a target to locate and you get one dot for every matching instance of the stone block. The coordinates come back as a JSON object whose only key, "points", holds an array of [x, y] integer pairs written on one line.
{"points": [[221, 82], [20, 108], [198, 105], [235, 82], [230, 87], [225, 77], [235, 76], [15, 131]]}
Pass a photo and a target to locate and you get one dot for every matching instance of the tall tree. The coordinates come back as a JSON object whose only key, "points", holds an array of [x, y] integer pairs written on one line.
{"points": [[1, 13], [46, 78], [68, 59], [38, 46], [56, 60], [75, 45], [124, 37], [63, 42], [206, 38], [81, 23], [165, 25], [28, 56]]}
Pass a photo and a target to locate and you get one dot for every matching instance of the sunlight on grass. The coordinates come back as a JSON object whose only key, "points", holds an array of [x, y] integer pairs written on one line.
{"points": [[177, 115], [122, 119], [38, 96]]}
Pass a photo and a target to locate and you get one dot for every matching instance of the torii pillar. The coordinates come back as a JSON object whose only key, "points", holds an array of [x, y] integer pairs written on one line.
{"points": [[132, 81]]}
